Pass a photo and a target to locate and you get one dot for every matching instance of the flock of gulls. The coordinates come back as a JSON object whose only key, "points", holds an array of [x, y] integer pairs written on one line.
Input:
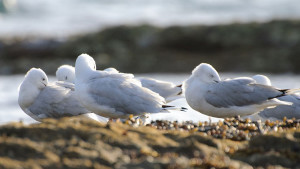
{"points": [[83, 90]]}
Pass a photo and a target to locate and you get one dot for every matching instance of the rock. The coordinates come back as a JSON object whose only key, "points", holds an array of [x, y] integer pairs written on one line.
{"points": [[281, 149], [83, 143]]}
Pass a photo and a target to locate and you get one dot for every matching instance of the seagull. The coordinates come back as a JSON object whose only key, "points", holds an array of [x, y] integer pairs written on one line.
{"points": [[262, 79], [207, 93], [40, 99], [114, 95], [167, 90], [66, 73], [279, 112]]}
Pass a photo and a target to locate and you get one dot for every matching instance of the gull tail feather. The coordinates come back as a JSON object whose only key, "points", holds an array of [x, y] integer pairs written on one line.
{"points": [[180, 92], [286, 92], [290, 91], [167, 107], [287, 103], [280, 102], [180, 86]]}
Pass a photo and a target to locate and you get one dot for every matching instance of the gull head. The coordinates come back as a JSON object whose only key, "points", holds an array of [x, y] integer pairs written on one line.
{"points": [[111, 70], [206, 73], [84, 63], [262, 79], [36, 77], [66, 73]]}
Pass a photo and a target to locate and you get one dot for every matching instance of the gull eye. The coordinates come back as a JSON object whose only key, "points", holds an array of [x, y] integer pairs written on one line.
{"points": [[66, 77], [211, 76], [43, 79]]}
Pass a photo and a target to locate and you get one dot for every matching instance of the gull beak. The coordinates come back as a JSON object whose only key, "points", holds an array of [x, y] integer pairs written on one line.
{"points": [[216, 81]]}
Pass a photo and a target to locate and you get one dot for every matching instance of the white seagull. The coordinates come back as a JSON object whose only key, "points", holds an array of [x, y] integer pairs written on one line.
{"points": [[39, 99], [66, 73], [167, 90], [279, 112], [113, 95], [208, 94], [262, 79]]}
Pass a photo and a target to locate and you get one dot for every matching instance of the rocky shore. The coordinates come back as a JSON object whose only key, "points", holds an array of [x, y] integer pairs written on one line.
{"points": [[256, 47], [83, 143]]}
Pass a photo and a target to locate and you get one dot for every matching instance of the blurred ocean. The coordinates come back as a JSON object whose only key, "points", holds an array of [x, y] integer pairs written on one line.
{"points": [[56, 18], [10, 110]]}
